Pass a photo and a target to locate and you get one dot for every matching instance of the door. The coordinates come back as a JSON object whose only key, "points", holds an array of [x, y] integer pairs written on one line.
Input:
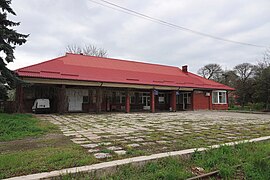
{"points": [[186, 99], [146, 102], [75, 99]]}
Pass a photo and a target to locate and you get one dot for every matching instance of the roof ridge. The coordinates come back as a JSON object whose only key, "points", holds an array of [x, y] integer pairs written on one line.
{"points": [[125, 60]]}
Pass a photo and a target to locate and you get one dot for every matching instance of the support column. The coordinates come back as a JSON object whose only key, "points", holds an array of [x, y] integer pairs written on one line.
{"points": [[173, 101], [152, 101], [89, 100], [210, 101], [98, 100], [62, 103], [127, 102]]}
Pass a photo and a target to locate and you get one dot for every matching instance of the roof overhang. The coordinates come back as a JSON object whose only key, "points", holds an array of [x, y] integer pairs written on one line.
{"points": [[99, 84]]}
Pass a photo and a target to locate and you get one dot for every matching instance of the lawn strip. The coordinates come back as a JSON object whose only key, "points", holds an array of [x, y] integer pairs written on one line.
{"points": [[251, 155]]}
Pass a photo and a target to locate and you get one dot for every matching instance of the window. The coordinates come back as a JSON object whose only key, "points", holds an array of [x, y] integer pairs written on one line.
{"points": [[117, 97], [123, 98], [219, 97], [85, 99], [184, 97], [187, 96], [142, 96], [120, 97], [161, 98]]}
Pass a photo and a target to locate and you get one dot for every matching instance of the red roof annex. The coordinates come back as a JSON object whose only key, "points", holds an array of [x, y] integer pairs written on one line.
{"points": [[98, 69]]}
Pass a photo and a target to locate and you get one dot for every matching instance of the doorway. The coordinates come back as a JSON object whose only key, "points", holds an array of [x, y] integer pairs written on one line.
{"points": [[186, 100], [75, 99], [146, 101]]}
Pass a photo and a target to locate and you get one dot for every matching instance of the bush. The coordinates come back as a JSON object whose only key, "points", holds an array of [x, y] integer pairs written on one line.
{"points": [[249, 107], [258, 106]]}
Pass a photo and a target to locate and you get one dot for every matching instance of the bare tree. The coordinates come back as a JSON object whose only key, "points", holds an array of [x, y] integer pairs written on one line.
{"points": [[229, 78], [244, 71], [211, 71], [266, 56], [74, 49], [245, 82], [265, 62], [87, 50]]}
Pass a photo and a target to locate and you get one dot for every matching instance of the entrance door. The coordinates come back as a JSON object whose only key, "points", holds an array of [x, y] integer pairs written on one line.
{"points": [[146, 102], [186, 99]]}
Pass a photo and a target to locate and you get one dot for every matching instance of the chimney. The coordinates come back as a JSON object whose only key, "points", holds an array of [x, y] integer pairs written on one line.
{"points": [[185, 69]]}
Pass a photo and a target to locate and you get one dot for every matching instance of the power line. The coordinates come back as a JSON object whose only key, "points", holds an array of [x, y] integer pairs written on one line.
{"points": [[162, 22]]}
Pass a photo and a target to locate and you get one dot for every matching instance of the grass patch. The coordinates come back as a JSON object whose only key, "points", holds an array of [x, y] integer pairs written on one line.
{"points": [[106, 151], [29, 145], [168, 168], [18, 126], [226, 158], [252, 156], [135, 152], [43, 159]]}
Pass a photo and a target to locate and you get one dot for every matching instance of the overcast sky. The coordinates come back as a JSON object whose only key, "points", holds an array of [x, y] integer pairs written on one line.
{"points": [[53, 24]]}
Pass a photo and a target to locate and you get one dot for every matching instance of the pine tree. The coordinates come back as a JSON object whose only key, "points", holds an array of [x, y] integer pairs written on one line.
{"points": [[9, 38]]}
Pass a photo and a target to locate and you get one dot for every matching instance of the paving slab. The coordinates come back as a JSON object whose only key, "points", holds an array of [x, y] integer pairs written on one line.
{"points": [[93, 150], [133, 145], [89, 145], [102, 155], [120, 152], [114, 148], [164, 129]]}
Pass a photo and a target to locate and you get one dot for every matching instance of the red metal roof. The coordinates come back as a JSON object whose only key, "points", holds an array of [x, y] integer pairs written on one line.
{"points": [[99, 69]]}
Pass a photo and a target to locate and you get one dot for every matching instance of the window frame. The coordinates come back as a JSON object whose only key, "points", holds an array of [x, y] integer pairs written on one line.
{"points": [[218, 97], [162, 95]]}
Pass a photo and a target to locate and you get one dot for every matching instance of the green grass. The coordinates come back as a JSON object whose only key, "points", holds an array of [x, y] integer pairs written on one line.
{"points": [[135, 152], [226, 158], [29, 145], [42, 159], [18, 126], [168, 168], [251, 156]]}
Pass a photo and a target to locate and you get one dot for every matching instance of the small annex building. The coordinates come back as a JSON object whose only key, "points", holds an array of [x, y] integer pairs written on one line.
{"points": [[82, 83]]}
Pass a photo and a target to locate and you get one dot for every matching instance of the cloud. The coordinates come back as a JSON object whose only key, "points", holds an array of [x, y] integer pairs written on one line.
{"points": [[53, 25]]}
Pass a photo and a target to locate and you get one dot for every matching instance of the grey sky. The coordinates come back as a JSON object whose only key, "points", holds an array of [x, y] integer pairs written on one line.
{"points": [[53, 24]]}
